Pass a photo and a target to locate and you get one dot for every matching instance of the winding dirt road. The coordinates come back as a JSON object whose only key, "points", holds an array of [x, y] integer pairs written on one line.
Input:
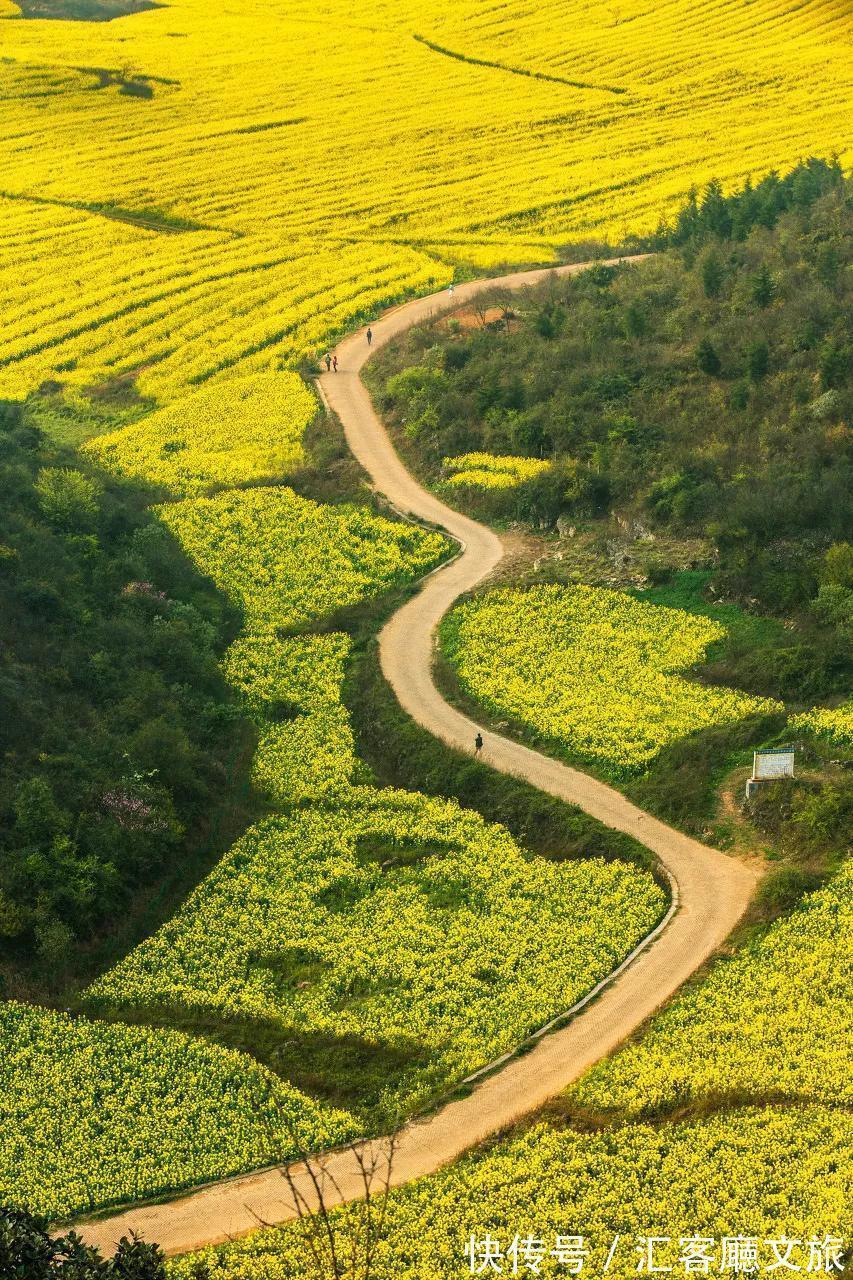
{"points": [[712, 889]]}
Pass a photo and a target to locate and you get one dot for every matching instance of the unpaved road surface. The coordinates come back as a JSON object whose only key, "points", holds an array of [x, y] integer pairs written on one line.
{"points": [[712, 890]]}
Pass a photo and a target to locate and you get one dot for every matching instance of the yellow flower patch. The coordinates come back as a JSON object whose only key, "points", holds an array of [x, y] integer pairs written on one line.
{"points": [[419, 923], [594, 670], [234, 432], [287, 561]]}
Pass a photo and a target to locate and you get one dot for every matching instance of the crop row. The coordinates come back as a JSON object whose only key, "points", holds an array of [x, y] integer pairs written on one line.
{"points": [[191, 307], [333, 232]]}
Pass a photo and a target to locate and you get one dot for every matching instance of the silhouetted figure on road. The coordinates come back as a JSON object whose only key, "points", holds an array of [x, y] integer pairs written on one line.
{"points": [[369, 336], [335, 363], [328, 362], [478, 744]]}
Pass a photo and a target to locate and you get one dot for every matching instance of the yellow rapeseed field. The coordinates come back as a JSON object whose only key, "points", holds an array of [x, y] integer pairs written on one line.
{"points": [[193, 200], [318, 160], [488, 471], [835, 723], [248, 429], [591, 670]]}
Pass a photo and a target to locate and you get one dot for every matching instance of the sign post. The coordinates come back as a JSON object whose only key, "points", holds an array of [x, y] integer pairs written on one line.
{"points": [[768, 765]]}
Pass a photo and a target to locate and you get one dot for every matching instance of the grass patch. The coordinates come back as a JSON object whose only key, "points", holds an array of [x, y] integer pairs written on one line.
{"points": [[394, 855], [688, 591], [69, 418]]}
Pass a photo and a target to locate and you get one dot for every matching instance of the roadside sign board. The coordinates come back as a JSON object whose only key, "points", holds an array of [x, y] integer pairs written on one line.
{"points": [[778, 763]]}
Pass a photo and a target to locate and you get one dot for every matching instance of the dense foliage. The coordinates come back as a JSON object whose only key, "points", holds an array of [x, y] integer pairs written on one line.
{"points": [[715, 215], [29, 1252], [396, 921], [115, 723], [705, 391]]}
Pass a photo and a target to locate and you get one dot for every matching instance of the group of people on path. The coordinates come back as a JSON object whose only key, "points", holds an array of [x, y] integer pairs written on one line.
{"points": [[332, 360]]}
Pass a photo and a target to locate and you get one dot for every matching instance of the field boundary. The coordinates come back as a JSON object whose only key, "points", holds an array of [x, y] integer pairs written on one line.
{"points": [[514, 71]]}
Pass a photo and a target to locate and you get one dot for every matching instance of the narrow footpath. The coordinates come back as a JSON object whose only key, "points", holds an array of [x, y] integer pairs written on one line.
{"points": [[711, 889]]}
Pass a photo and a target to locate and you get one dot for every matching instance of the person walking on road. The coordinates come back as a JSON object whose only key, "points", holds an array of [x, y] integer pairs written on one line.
{"points": [[335, 363], [328, 361], [478, 744], [369, 336]]}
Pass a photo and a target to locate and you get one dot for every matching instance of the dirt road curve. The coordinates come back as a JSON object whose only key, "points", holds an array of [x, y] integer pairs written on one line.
{"points": [[713, 890]]}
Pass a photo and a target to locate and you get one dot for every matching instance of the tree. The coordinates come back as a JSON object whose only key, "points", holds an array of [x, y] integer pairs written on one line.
{"points": [[707, 359], [763, 286], [834, 363], [601, 275], [636, 323], [837, 568], [715, 210], [344, 1242], [38, 818], [67, 497], [549, 320], [758, 361], [712, 275], [828, 264]]}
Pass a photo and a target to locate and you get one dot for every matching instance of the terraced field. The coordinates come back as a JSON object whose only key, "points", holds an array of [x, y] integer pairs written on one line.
{"points": [[190, 194]]}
